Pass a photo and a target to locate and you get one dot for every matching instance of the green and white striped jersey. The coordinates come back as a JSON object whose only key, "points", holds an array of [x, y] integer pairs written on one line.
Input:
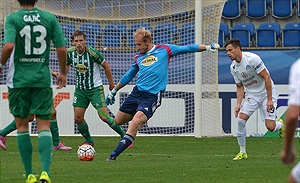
{"points": [[87, 65], [31, 31]]}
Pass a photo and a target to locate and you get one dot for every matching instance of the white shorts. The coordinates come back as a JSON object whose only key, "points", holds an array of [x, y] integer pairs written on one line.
{"points": [[296, 173], [253, 102]]}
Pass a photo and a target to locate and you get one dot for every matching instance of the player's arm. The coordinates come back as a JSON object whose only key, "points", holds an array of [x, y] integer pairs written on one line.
{"points": [[62, 59], [125, 79], [108, 74], [239, 96], [291, 122], [6, 52], [265, 75]]}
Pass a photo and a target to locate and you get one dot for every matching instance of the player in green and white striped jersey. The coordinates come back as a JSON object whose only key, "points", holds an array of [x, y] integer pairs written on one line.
{"points": [[89, 88]]}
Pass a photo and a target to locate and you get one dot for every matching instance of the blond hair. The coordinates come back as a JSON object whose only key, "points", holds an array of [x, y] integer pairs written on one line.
{"points": [[145, 34]]}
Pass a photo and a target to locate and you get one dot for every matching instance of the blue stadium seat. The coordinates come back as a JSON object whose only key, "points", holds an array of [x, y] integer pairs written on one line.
{"points": [[232, 9], [291, 34], [267, 34], [114, 35], [68, 30], [187, 34], [282, 8], [223, 33], [256, 9], [92, 33], [132, 29], [243, 31], [165, 34]]}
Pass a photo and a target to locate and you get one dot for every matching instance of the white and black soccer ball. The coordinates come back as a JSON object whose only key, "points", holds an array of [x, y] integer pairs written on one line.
{"points": [[86, 152]]}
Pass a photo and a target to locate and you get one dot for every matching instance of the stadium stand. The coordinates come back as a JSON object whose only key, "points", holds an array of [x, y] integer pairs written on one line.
{"points": [[223, 34], [232, 9], [68, 30], [256, 9], [185, 31], [267, 35], [132, 29], [92, 32], [282, 9], [243, 31], [291, 34], [114, 35], [165, 33]]}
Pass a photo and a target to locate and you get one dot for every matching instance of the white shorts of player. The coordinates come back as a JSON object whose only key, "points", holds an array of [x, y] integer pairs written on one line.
{"points": [[296, 172], [253, 102]]}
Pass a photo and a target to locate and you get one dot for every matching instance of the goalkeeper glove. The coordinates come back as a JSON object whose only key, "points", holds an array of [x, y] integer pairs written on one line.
{"points": [[213, 47], [110, 98]]}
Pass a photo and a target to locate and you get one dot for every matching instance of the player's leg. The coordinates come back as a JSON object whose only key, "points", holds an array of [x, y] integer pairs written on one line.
{"points": [[42, 110], [145, 105], [19, 102], [248, 107], [57, 145], [5, 131], [80, 104], [97, 99], [8, 129], [270, 117]]}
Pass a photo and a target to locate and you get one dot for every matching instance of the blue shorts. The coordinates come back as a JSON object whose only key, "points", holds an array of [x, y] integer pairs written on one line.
{"points": [[141, 101]]}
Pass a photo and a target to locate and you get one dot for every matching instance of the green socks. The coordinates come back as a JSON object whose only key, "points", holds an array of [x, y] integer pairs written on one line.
{"points": [[9, 128], [54, 132], [45, 149], [84, 130], [116, 128], [25, 150]]}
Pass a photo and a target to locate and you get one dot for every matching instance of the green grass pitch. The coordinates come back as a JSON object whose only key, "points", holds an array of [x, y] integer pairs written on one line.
{"points": [[157, 160]]}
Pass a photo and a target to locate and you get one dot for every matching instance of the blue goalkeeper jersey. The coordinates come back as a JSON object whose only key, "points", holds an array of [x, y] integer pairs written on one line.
{"points": [[152, 67]]}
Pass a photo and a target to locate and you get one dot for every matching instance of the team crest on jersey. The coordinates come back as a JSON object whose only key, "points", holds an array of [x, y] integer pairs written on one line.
{"points": [[81, 68], [149, 60], [244, 75], [248, 67], [85, 61]]}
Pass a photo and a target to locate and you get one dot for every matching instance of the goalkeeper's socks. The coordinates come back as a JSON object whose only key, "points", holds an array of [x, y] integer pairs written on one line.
{"points": [[25, 150], [84, 130], [116, 128], [45, 149], [9, 128], [123, 144], [54, 132]]}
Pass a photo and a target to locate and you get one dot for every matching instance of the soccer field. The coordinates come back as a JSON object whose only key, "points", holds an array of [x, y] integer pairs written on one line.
{"points": [[157, 160]]}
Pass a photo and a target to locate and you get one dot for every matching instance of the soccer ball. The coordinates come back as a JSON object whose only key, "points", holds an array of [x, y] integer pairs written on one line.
{"points": [[86, 152]]}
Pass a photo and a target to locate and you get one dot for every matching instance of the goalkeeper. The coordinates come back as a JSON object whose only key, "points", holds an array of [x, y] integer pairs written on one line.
{"points": [[151, 66], [57, 145]]}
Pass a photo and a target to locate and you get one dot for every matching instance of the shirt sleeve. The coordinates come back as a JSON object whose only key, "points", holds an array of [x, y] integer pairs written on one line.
{"points": [[9, 30], [57, 35], [294, 84], [177, 50], [129, 75]]}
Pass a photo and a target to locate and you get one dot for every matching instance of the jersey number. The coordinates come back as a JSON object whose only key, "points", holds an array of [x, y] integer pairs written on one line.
{"points": [[26, 31]]}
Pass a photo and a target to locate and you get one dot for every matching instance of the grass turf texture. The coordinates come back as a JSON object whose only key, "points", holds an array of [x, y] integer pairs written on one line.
{"points": [[157, 160]]}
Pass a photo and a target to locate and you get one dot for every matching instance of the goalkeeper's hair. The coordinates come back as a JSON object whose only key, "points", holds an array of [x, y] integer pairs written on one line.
{"points": [[235, 42], [146, 34], [27, 2]]}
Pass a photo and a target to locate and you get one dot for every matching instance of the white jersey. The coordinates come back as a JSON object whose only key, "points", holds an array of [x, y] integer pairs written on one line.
{"points": [[294, 84], [247, 73]]}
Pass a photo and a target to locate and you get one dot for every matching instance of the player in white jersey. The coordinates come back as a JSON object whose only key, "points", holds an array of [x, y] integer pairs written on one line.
{"points": [[251, 75], [288, 153]]}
